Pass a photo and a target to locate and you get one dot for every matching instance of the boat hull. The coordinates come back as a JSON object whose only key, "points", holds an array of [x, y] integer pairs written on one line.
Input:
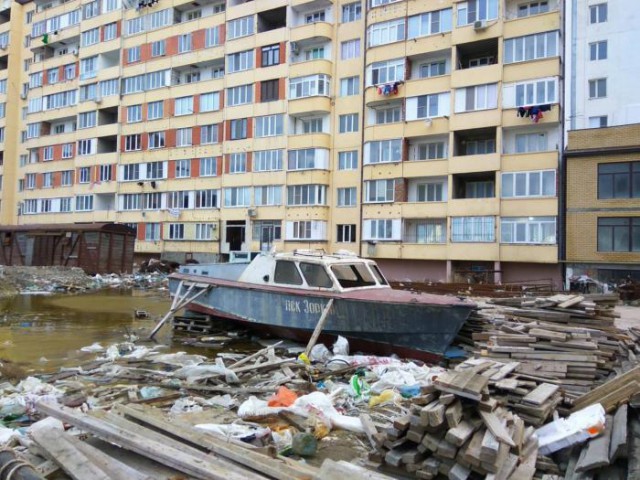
{"points": [[374, 325]]}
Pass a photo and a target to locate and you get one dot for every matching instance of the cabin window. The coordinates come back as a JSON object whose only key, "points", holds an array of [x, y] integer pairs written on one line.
{"points": [[315, 275], [286, 272], [350, 276], [378, 274]]}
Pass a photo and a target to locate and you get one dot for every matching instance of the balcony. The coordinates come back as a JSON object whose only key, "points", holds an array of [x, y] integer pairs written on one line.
{"points": [[530, 206], [517, 72], [476, 119], [529, 253], [310, 106], [429, 44], [489, 30], [546, 22], [311, 67], [510, 118], [318, 30]]}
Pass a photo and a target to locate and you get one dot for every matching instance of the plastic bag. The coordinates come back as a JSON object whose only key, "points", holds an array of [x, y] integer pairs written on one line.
{"points": [[341, 347], [283, 398], [179, 359], [319, 353], [578, 427], [225, 401], [234, 430], [184, 405], [359, 387], [385, 397], [94, 347]]}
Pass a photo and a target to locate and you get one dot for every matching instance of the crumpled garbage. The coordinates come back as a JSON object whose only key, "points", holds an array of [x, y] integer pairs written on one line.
{"points": [[387, 396], [406, 374], [576, 428], [151, 392], [185, 405], [282, 439], [341, 346], [359, 387], [283, 398], [318, 404], [194, 373], [225, 401], [235, 430], [126, 350], [319, 353], [179, 359], [93, 348]]}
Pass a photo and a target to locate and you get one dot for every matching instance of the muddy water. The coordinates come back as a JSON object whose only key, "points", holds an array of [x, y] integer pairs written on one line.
{"points": [[43, 333]]}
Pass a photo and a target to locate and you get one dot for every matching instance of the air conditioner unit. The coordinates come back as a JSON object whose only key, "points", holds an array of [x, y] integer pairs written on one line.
{"points": [[23, 96], [252, 212], [479, 25], [98, 100], [3, 46], [295, 48], [75, 52]]}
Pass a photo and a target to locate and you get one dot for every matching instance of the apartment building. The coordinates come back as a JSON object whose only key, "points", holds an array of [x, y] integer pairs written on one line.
{"points": [[423, 134], [602, 126]]}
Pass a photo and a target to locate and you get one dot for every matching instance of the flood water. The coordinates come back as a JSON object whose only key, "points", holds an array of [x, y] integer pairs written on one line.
{"points": [[46, 332]]}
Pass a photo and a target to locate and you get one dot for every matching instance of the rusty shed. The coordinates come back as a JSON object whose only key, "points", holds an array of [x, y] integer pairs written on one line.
{"points": [[94, 247]]}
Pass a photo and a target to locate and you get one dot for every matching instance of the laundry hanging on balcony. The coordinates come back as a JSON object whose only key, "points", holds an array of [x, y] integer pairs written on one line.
{"points": [[534, 112], [389, 88]]}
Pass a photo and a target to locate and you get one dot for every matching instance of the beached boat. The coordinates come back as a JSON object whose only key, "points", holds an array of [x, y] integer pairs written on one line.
{"points": [[285, 294]]}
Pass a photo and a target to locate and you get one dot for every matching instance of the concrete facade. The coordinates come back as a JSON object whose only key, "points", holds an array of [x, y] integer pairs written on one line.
{"points": [[407, 131]]}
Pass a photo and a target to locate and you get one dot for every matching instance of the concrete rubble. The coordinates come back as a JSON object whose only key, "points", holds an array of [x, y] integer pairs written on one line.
{"points": [[136, 411]]}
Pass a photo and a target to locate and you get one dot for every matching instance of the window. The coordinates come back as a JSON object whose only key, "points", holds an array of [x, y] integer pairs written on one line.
{"points": [[176, 231], [349, 122], [70, 71], [67, 150], [66, 178], [531, 47], [312, 125], [47, 154], [209, 102], [90, 37], [598, 50], [350, 49], [430, 192], [381, 229], [379, 191], [155, 110], [30, 181], [383, 151], [349, 86], [598, 122], [152, 201], [183, 168], [110, 31], [238, 62], [87, 147], [152, 232], [286, 272], [35, 81], [306, 230], [267, 160], [209, 134], [619, 234], [428, 151], [238, 162], [473, 229], [598, 13], [184, 43], [473, 10], [427, 106], [532, 8], [309, 86], [537, 92], [386, 32], [105, 173], [479, 97], [269, 90], [87, 119], [134, 113], [314, 17], [309, 158], [347, 197], [268, 195], [84, 203], [315, 275], [619, 180], [479, 189], [109, 87], [480, 147], [240, 27], [156, 140], [269, 126], [240, 95], [212, 37], [183, 106], [428, 231], [432, 69], [536, 230], [531, 142], [207, 198], [237, 197], [184, 137], [84, 175], [133, 54], [430, 23], [386, 72], [270, 55], [158, 48], [598, 88], [208, 167], [346, 233], [238, 129], [348, 160], [351, 12], [52, 76], [314, 53], [132, 142], [204, 231], [131, 172]]}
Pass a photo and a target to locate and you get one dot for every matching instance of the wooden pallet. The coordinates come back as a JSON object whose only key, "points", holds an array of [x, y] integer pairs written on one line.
{"points": [[195, 324]]}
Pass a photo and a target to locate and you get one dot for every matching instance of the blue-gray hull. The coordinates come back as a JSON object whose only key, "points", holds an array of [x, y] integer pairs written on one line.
{"points": [[406, 327]]}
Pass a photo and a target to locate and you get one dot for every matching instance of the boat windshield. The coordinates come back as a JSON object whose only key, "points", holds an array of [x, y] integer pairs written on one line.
{"points": [[378, 275], [315, 275], [286, 272], [353, 275]]}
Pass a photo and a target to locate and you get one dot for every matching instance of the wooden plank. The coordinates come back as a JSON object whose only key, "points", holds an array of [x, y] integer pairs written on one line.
{"points": [[571, 302], [460, 434], [494, 424], [619, 435], [319, 326], [71, 460], [203, 466], [540, 394], [606, 388]]}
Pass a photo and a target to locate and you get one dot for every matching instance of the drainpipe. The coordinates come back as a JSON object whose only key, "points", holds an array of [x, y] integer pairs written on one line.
{"points": [[363, 123]]}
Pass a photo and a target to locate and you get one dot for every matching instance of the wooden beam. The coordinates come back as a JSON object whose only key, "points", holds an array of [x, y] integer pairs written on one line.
{"points": [[319, 326]]}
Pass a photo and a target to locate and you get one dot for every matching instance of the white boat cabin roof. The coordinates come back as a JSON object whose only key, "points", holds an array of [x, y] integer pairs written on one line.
{"points": [[311, 270]]}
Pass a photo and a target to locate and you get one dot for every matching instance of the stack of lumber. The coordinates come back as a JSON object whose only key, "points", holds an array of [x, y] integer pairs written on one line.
{"points": [[568, 341], [450, 433]]}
